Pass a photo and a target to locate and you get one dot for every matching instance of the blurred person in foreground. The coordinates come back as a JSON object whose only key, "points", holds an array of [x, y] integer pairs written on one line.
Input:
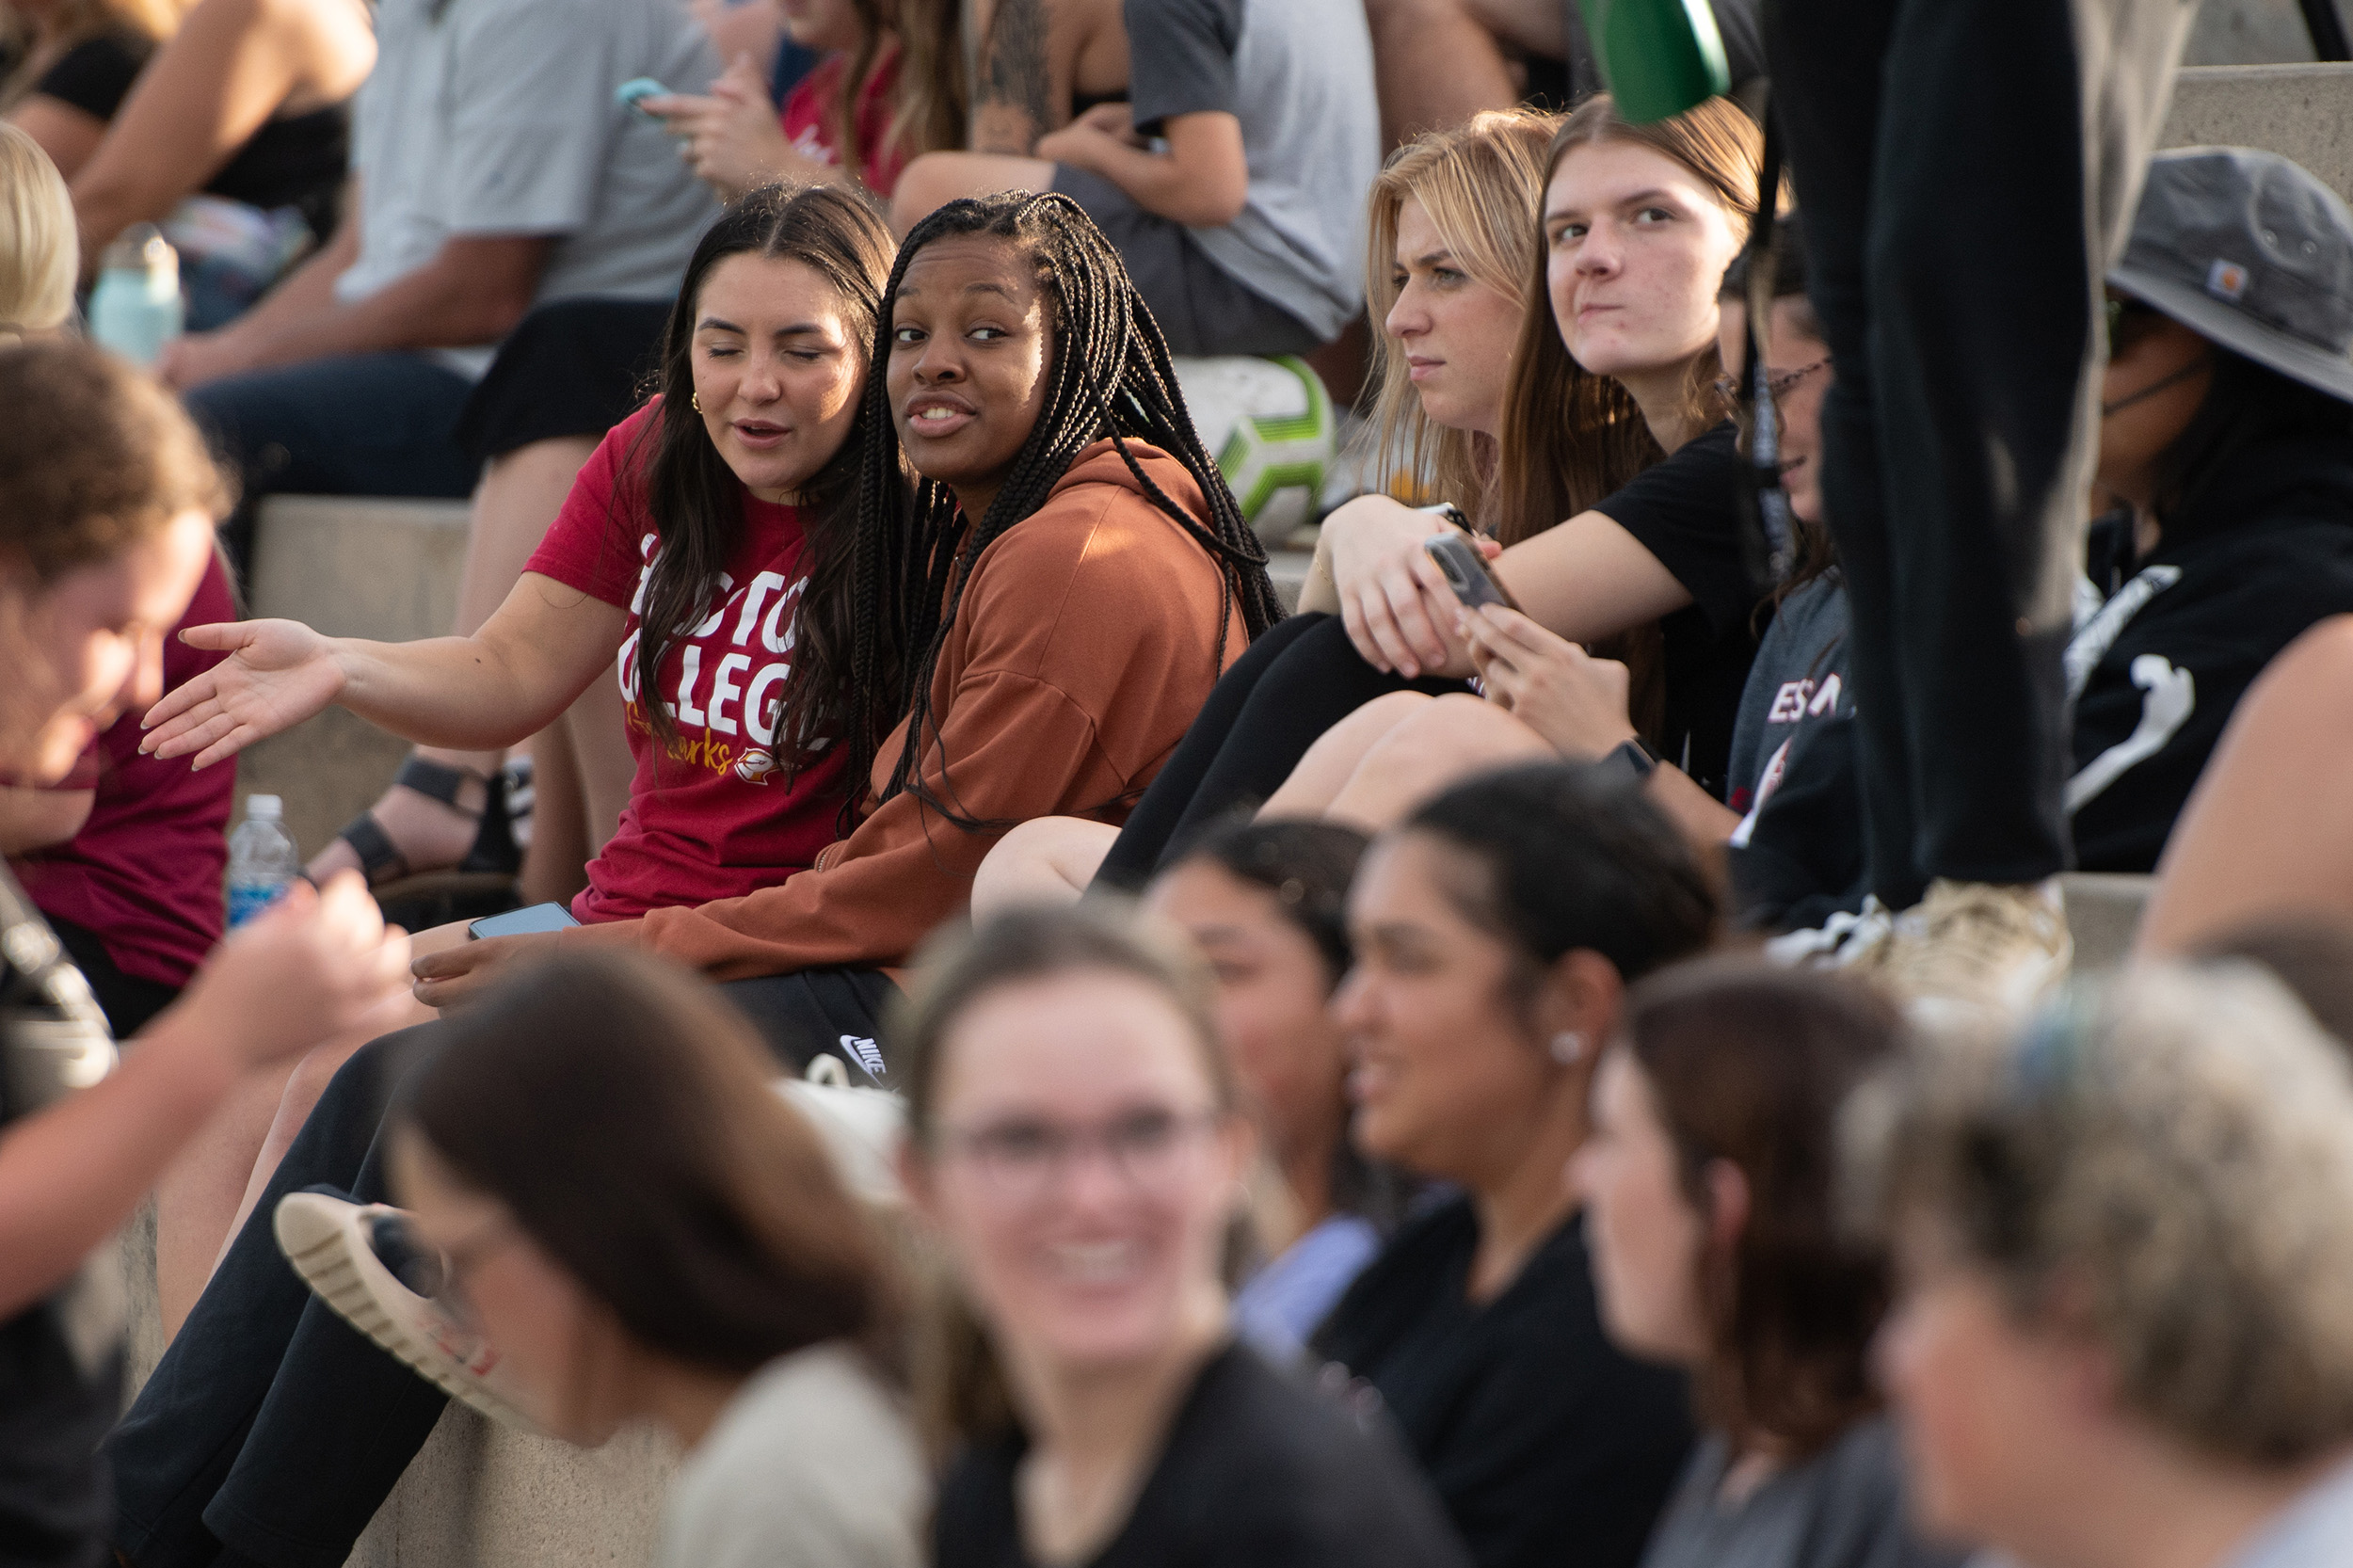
{"points": [[2124, 1258], [107, 501]]}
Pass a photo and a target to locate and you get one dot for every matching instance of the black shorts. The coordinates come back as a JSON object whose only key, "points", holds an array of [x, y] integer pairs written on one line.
{"points": [[1202, 307], [816, 1013], [573, 367]]}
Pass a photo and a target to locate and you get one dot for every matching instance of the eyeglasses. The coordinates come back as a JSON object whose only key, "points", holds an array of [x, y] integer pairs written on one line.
{"points": [[1776, 386], [2119, 311], [1023, 1158]]}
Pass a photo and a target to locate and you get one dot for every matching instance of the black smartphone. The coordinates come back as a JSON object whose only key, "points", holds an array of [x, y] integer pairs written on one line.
{"points": [[1467, 571], [528, 921]]}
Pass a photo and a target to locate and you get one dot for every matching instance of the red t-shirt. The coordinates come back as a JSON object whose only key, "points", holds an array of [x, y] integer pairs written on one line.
{"points": [[709, 816], [809, 128], [144, 873]]}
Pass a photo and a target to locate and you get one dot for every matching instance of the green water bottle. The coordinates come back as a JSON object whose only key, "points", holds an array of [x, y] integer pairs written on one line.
{"points": [[1659, 56]]}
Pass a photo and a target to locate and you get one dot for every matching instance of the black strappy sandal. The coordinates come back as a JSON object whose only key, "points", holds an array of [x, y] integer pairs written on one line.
{"points": [[492, 856]]}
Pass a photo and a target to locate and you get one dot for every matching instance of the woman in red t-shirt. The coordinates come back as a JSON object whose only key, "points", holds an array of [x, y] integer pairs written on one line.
{"points": [[706, 543], [874, 103]]}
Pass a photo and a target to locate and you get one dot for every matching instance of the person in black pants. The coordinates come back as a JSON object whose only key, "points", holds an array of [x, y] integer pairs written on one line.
{"points": [[1959, 220]]}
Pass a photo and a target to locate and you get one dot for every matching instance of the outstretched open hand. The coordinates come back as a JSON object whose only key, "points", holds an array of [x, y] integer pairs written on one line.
{"points": [[277, 674]]}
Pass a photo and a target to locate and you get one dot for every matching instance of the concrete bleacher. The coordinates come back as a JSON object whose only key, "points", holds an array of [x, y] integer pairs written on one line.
{"points": [[484, 1495]]}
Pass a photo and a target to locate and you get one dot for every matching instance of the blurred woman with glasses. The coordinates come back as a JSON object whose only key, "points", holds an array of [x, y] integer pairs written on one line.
{"points": [[1076, 1142]]}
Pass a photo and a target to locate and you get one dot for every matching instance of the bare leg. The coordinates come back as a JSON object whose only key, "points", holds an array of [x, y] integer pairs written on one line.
{"points": [[1407, 37], [1451, 739], [582, 769], [1045, 860], [518, 496], [308, 1080], [2269, 829], [204, 1186], [1337, 755]]}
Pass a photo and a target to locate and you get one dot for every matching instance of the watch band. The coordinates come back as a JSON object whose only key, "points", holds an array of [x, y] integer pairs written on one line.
{"points": [[1635, 755]]}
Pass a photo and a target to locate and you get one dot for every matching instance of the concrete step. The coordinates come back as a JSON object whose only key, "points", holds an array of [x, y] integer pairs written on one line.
{"points": [[2304, 112]]}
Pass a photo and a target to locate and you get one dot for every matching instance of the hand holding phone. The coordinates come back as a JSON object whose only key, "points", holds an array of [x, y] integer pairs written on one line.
{"points": [[1467, 571], [633, 93]]}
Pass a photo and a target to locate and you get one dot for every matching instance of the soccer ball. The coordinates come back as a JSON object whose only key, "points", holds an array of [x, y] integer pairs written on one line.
{"points": [[1271, 424]]}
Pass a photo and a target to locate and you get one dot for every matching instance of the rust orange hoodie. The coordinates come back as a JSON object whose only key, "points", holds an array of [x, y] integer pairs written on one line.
{"points": [[1087, 640]]}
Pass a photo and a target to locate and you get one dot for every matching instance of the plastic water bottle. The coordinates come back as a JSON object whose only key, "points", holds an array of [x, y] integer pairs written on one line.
{"points": [[262, 859], [136, 309]]}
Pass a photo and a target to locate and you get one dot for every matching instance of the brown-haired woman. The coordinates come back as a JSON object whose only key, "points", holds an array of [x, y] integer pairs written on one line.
{"points": [[642, 1230], [1618, 493], [107, 502], [1075, 1141], [1709, 1180]]}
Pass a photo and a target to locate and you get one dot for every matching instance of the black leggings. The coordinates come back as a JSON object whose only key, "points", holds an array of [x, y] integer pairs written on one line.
{"points": [[1298, 681], [274, 1427]]}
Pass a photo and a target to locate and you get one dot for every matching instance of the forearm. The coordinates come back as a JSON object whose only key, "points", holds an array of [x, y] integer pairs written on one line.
{"points": [[463, 693], [1702, 819], [308, 290], [434, 307], [70, 1174]]}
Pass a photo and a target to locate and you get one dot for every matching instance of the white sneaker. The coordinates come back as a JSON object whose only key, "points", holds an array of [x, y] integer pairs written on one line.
{"points": [[334, 1245], [1980, 953], [1844, 942]]}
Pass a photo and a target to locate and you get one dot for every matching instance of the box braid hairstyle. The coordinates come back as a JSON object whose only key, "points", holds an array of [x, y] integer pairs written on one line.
{"points": [[1110, 376]]}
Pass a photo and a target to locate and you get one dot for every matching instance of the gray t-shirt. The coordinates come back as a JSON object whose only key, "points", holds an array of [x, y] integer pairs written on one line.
{"points": [[497, 116], [1298, 74], [811, 1466], [1844, 1508]]}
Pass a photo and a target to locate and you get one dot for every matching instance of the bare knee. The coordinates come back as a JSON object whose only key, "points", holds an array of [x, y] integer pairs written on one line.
{"points": [[1045, 860], [1448, 740]]}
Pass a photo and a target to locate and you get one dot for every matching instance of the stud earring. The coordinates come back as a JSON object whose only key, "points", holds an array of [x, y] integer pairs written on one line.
{"points": [[694, 400], [1568, 1048]]}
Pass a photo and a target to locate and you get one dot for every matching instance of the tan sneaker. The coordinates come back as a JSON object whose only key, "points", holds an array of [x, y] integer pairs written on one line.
{"points": [[1975, 952]]}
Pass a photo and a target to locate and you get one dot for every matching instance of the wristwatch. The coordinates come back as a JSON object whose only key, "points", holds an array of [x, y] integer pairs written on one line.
{"points": [[1634, 755]]}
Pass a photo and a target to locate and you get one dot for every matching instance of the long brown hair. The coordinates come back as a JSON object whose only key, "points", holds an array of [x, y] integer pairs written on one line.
{"points": [[622, 1111], [1481, 183], [695, 499], [1752, 1064], [1572, 438]]}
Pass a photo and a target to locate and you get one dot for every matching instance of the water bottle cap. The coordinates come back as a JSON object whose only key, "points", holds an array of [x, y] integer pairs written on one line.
{"points": [[264, 808]]}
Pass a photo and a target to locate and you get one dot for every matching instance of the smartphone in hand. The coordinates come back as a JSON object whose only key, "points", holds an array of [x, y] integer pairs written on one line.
{"points": [[1467, 571]]}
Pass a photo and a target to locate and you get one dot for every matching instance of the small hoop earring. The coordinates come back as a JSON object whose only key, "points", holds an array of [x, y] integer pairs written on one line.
{"points": [[694, 400], [1568, 1048]]}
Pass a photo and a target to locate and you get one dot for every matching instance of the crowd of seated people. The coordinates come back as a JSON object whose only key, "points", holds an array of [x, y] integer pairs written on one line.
{"points": [[1404, 1174]]}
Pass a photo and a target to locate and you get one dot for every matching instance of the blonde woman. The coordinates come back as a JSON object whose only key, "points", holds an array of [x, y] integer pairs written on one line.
{"points": [[1452, 245], [37, 254], [2124, 1251], [79, 57]]}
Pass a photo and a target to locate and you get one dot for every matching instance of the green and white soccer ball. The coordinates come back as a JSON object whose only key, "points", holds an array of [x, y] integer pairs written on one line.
{"points": [[1272, 426]]}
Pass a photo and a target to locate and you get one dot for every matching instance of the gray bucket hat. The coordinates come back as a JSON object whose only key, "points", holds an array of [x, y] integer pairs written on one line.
{"points": [[2249, 250]]}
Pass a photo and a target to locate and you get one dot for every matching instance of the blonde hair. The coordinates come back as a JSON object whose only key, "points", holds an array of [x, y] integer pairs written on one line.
{"points": [[1481, 183], [40, 255], [2163, 1163]]}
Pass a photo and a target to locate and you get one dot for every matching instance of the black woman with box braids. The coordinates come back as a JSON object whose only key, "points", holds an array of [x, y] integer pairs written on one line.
{"points": [[1111, 378], [1035, 620]]}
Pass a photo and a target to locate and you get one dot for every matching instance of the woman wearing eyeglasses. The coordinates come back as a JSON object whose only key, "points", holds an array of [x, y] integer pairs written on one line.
{"points": [[1075, 1140]]}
